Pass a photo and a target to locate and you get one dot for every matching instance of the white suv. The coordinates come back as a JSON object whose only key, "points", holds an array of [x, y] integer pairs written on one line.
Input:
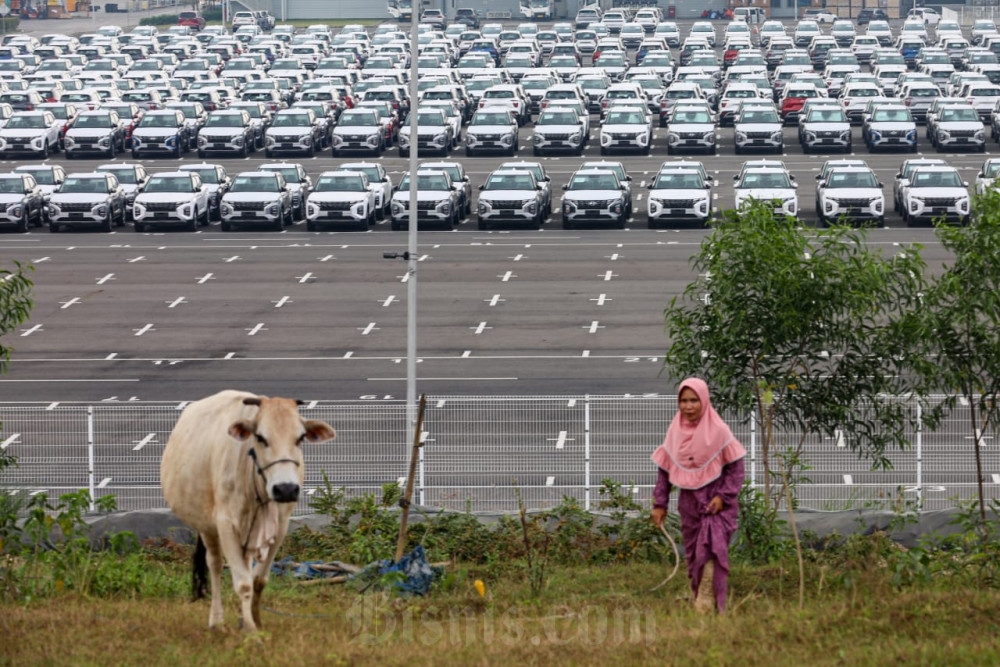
{"points": [[768, 183], [934, 193], [678, 195]]}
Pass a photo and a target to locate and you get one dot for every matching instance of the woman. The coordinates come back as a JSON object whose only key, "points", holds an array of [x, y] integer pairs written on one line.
{"points": [[701, 456]]}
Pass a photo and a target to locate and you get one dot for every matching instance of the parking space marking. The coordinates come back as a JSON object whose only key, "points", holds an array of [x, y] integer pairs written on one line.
{"points": [[205, 278], [608, 275], [72, 302], [53, 405], [106, 278], [34, 329], [466, 354], [593, 326], [368, 329], [230, 260], [176, 302], [602, 299], [111, 356], [348, 355], [848, 480], [10, 440], [282, 301], [229, 355], [516, 258], [255, 329], [494, 300], [103, 483], [306, 278], [144, 330], [140, 258], [40, 260], [326, 258], [480, 328], [389, 300], [148, 438]]}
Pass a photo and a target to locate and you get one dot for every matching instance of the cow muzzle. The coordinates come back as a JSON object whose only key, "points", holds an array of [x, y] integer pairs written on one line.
{"points": [[285, 492]]}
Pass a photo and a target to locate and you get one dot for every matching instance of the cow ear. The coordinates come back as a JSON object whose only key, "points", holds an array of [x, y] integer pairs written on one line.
{"points": [[254, 400], [299, 401], [241, 430], [318, 431]]}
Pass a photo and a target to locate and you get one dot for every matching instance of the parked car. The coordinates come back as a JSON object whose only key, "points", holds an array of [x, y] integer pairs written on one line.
{"points": [[511, 196], [257, 198], [214, 177], [227, 131], [33, 132], [341, 197], [934, 193], [593, 196], [678, 196], [851, 193], [22, 202], [173, 198], [87, 198], [437, 202]]}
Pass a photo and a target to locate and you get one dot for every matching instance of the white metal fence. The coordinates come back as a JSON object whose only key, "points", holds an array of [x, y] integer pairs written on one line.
{"points": [[480, 451]]}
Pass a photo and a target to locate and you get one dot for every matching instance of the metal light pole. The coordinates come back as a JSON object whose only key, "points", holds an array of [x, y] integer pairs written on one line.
{"points": [[411, 261]]}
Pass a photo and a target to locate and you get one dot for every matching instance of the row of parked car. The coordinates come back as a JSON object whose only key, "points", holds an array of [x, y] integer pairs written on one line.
{"points": [[517, 193]]}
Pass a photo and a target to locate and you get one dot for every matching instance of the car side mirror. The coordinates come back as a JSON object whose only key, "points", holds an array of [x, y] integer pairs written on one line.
{"points": [[566, 187], [819, 177], [965, 184], [736, 177]]}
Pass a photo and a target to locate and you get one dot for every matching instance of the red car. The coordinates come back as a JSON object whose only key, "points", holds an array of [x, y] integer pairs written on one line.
{"points": [[191, 19]]}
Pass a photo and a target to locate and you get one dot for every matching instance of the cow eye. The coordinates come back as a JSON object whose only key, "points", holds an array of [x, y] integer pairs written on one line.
{"points": [[262, 439], [301, 439]]}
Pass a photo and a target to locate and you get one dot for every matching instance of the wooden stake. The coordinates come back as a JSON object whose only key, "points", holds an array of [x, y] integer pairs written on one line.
{"points": [[404, 503]]}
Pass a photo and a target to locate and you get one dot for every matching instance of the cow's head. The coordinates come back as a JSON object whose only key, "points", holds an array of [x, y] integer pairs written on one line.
{"points": [[279, 432]]}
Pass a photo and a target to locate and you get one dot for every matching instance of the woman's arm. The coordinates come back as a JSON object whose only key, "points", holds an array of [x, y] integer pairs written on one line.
{"points": [[661, 492], [732, 481]]}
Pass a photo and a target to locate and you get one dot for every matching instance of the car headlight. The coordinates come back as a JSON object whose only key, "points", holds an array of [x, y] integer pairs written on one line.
{"points": [[101, 209], [739, 136], [404, 140], [963, 205], [810, 136], [398, 208], [441, 139], [445, 207], [943, 135], [138, 210], [274, 208], [538, 138], [915, 205], [38, 142], [373, 139], [186, 211], [226, 208], [531, 206], [778, 136], [105, 141], [15, 211], [305, 139], [508, 139], [53, 209], [846, 135], [238, 140], [673, 137], [709, 136], [202, 141], [877, 205], [568, 206], [337, 140], [980, 135], [470, 139], [617, 206], [484, 207], [642, 137], [171, 141]]}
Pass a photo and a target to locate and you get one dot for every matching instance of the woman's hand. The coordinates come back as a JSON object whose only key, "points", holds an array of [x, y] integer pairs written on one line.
{"points": [[659, 514], [714, 506]]}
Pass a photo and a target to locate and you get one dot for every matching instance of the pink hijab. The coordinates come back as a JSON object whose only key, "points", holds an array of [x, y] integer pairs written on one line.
{"points": [[693, 453]]}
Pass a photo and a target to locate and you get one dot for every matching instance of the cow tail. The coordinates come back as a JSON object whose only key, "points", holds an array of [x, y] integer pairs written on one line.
{"points": [[199, 571]]}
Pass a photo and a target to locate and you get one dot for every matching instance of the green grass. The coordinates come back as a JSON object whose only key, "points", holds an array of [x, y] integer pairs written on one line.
{"points": [[584, 615]]}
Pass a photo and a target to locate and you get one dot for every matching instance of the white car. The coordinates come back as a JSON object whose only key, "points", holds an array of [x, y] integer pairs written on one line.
{"points": [[30, 132], [594, 195], [437, 201], [22, 203], [492, 129], [434, 133], [987, 176], [768, 184], [341, 196], [853, 193], [358, 130], [925, 15], [172, 198], [758, 127], [935, 193], [678, 195], [626, 129], [48, 177]]}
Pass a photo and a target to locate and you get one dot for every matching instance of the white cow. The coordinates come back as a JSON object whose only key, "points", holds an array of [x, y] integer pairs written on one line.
{"points": [[232, 470]]}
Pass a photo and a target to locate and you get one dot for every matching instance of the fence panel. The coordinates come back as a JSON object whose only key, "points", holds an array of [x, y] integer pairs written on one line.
{"points": [[480, 453]]}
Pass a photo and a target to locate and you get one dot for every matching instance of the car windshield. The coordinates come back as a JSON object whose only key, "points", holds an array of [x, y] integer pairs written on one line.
{"points": [[678, 181], [26, 122], [924, 92], [291, 174], [44, 176], [224, 120], [490, 119], [291, 120], [125, 175], [255, 184], [208, 175], [430, 120], [766, 179], [827, 116], [169, 184], [75, 185], [593, 182], [936, 179], [12, 185], [364, 119], [92, 121], [692, 117], [891, 116], [370, 172], [158, 121], [680, 94], [345, 183], [625, 118], [991, 170], [960, 115], [763, 116], [852, 179], [428, 182], [557, 118], [509, 181]]}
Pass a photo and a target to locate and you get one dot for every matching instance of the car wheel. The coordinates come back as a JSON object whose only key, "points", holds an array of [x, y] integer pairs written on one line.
{"points": [[206, 218], [226, 226], [482, 224], [396, 226], [111, 150], [53, 227], [108, 222], [536, 222], [192, 226], [312, 150], [178, 152], [738, 149], [567, 223], [45, 151], [310, 226], [267, 153], [138, 227], [403, 153], [243, 151], [22, 224], [201, 154], [121, 218]]}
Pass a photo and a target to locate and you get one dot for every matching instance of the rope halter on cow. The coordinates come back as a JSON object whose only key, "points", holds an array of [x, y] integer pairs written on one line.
{"points": [[265, 500]]}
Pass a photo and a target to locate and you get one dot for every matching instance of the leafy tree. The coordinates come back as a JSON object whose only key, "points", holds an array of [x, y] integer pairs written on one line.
{"points": [[15, 304], [802, 327], [961, 325]]}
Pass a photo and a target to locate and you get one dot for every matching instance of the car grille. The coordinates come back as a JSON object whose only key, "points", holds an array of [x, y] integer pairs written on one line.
{"points": [[18, 143], [623, 135], [160, 206], [940, 201], [505, 203], [488, 137], [286, 139], [692, 135], [427, 205], [76, 206], [894, 133], [335, 205], [962, 133], [351, 137], [679, 203], [555, 137], [854, 203], [248, 205], [759, 135], [828, 135]]}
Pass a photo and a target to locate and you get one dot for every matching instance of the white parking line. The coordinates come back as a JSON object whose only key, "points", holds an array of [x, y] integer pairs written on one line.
{"points": [[494, 300], [10, 440], [282, 301], [145, 329], [140, 258], [230, 260], [255, 329], [368, 329], [388, 301], [103, 483], [507, 276], [176, 302], [72, 302], [326, 258], [480, 328], [602, 299], [149, 437], [205, 278], [34, 329], [306, 278], [593, 327], [40, 260], [608, 275], [101, 281]]}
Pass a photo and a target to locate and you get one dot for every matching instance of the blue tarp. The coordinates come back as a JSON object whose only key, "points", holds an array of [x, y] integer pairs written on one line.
{"points": [[416, 578]]}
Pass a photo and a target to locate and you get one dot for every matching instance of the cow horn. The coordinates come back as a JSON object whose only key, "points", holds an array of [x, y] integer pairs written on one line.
{"points": [[254, 400], [299, 401]]}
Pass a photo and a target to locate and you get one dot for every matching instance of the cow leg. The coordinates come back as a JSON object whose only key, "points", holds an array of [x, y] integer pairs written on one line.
{"points": [[213, 556], [239, 564], [263, 570]]}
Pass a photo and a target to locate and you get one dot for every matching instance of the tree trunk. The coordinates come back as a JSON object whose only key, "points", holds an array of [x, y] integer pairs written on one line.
{"points": [[977, 435]]}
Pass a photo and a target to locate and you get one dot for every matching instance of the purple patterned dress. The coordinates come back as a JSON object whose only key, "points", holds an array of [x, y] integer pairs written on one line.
{"points": [[706, 536]]}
